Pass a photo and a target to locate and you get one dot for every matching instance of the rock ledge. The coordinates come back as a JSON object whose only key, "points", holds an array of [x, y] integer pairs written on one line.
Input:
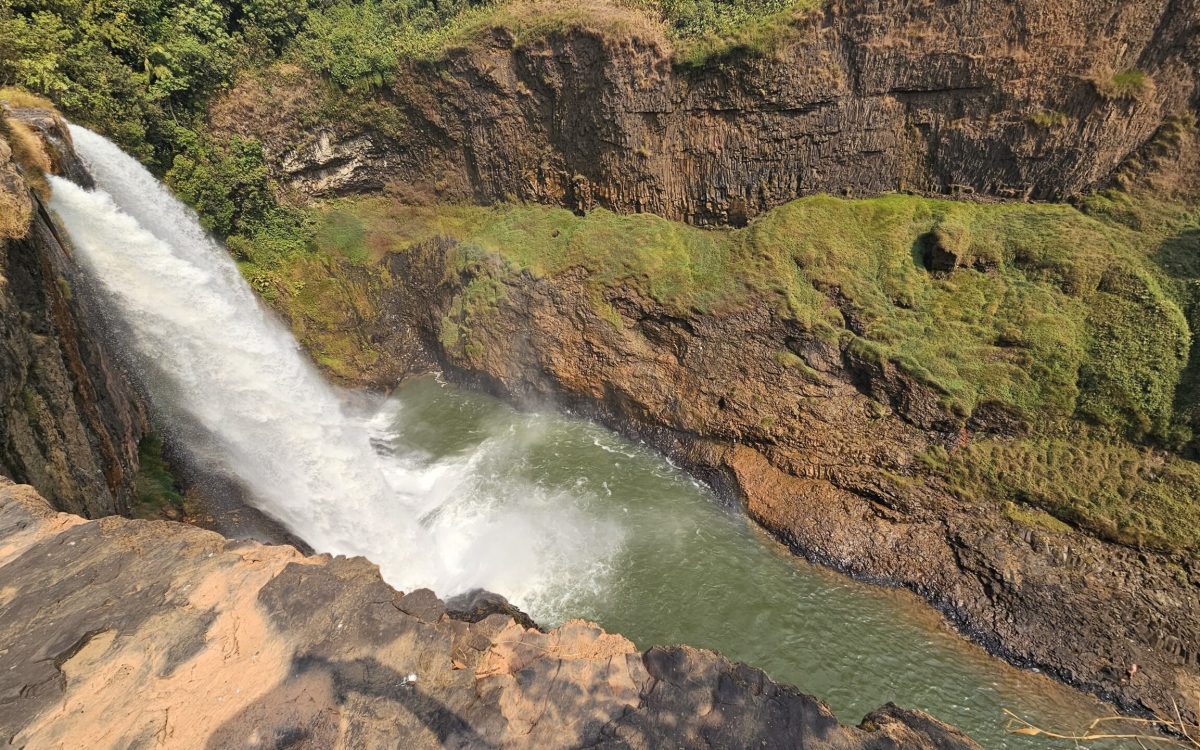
{"points": [[148, 633]]}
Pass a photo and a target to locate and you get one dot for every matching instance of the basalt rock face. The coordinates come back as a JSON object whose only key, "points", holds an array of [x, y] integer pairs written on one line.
{"points": [[1014, 100], [822, 449], [231, 644], [70, 422]]}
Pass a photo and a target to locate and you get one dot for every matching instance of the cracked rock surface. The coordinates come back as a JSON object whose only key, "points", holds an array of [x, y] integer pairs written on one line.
{"points": [[121, 633]]}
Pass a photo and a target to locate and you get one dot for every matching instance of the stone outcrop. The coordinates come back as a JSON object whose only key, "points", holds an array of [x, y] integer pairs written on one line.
{"points": [[822, 449], [70, 421], [1012, 100], [124, 633]]}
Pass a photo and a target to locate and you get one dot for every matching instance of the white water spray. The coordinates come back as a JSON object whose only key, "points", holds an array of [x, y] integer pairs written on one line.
{"points": [[247, 401]]}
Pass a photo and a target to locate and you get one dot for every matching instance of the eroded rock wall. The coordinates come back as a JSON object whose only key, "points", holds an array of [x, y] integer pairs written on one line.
{"points": [[70, 422], [135, 633], [1012, 99]]}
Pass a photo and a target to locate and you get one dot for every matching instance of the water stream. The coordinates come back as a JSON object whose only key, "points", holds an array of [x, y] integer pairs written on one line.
{"points": [[454, 490]]}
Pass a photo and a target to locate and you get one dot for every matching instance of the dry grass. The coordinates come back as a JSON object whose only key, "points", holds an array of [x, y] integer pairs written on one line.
{"points": [[15, 214], [15, 97], [29, 153], [1159, 731]]}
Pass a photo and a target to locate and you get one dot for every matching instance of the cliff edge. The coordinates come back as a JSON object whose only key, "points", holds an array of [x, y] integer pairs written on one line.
{"points": [[129, 633]]}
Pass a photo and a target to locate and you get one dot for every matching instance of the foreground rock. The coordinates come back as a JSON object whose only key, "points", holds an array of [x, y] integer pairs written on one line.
{"points": [[124, 633]]}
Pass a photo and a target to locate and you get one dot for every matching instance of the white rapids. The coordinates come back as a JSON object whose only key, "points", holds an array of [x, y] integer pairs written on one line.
{"points": [[229, 381]]}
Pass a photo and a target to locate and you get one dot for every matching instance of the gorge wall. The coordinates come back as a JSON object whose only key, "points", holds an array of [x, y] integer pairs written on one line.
{"points": [[1030, 99], [823, 449], [70, 421], [1012, 100]]}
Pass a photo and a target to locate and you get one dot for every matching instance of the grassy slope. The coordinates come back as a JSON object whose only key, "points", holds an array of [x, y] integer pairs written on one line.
{"points": [[1063, 318]]}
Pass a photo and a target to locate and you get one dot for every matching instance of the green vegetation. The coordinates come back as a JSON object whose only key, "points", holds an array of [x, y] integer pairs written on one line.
{"points": [[1066, 318], [156, 490], [228, 185], [1048, 119], [705, 31], [139, 70], [1117, 491], [1126, 84]]}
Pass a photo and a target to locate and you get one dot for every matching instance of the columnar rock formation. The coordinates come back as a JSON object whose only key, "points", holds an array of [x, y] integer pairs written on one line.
{"points": [[1014, 100]]}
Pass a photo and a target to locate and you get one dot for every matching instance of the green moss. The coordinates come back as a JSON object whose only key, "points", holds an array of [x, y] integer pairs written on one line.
{"points": [[155, 488], [1048, 119], [1033, 517], [1130, 83], [1060, 315], [343, 233], [1118, 491]]}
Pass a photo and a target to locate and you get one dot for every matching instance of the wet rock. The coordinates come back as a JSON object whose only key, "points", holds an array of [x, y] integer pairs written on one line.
{"points": [[70, 421], [479, 604]]}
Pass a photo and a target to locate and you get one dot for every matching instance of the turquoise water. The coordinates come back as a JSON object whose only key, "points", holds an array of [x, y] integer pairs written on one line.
{"points": [[686, 569]]}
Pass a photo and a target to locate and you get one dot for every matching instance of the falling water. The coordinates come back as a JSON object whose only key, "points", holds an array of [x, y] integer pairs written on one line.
{"points": [[222, 370]]}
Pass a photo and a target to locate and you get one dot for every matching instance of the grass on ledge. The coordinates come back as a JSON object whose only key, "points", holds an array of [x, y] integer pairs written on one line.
{"points": [[1053, 314], [361, 46], [1117, 491], [1126, 84]]}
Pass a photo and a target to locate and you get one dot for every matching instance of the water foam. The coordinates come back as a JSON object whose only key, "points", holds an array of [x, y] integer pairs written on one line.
{"points": [[231, 381]]}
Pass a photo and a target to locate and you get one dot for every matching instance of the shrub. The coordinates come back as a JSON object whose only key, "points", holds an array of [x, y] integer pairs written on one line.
{"points": [[354, 45], [1127, 84], [1048, 119], [227, 185]]}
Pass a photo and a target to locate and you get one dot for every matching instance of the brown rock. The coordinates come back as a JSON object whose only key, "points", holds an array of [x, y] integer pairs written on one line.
{"points": [[869, 97], [120, 633]]}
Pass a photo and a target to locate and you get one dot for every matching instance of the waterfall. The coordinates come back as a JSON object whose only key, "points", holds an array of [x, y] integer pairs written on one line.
{"points": [[240, 393]]}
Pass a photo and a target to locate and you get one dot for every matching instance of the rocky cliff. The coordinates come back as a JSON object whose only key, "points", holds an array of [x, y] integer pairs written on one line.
{"points": [[1028, 99], [219, 644], [70, 422], [821, 447]]}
